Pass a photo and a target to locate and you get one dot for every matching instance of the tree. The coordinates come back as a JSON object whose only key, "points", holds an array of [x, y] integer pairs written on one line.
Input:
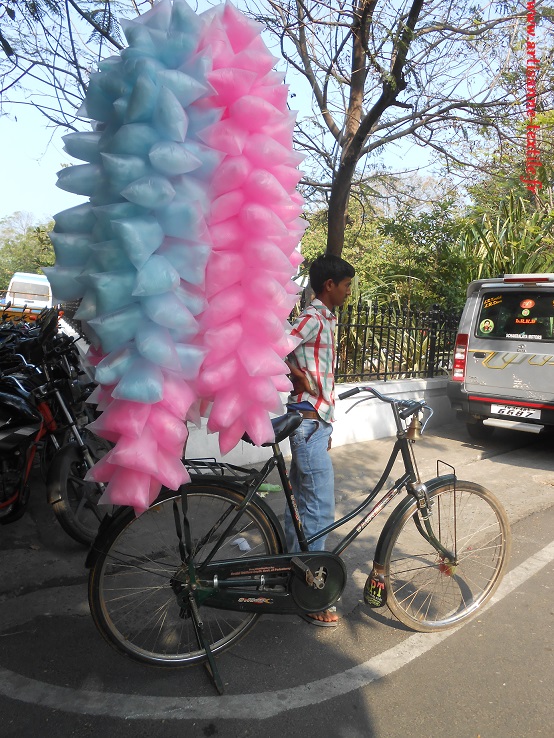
{"points": [[23, 247], [505, 166], [52, 46], [446, 76], [411, 257], [379, 71], [422, 263]]}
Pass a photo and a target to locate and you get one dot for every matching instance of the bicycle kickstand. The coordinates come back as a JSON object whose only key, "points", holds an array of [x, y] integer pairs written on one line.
{"points": [[185, 548], [211, 666]]}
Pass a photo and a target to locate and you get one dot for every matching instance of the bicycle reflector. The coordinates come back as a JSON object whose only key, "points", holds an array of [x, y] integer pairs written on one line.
{"points": [[460, 356]]}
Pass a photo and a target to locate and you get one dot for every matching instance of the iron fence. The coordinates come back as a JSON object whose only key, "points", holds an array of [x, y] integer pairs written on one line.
{"points": [[380, 343], [391, 343]]}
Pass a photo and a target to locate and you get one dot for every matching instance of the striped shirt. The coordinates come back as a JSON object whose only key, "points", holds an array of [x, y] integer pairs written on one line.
{"points": [[315, 356]]}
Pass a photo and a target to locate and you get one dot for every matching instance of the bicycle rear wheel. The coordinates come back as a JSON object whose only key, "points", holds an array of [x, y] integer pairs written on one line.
{"points": [[424, 591], [130, 594]]}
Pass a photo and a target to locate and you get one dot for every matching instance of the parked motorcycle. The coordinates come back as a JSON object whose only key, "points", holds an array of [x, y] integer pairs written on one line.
{"points": [[43, 393]]}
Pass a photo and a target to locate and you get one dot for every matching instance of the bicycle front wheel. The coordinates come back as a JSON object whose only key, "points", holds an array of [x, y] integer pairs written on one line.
{"points": [[425, 591], [131, 598]]}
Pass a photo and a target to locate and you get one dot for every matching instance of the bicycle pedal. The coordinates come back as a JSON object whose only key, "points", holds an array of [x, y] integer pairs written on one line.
{"points": [[302, 571]]}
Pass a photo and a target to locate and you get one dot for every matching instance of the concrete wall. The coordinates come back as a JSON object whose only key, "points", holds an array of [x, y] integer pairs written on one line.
{"points": [[354, 422]]}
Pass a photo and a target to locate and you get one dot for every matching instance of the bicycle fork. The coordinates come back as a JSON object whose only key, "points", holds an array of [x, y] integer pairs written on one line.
{"points": [[425, 508]]}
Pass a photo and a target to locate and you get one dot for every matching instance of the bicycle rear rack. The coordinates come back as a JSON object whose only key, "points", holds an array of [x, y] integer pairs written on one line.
{"points": [[211, 467]]}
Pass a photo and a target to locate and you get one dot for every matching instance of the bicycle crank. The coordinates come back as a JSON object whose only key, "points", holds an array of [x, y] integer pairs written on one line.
{"points": [[317, 581]]}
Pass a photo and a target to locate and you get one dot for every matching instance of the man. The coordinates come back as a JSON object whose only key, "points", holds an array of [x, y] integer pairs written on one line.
{"points": [[312, 365]]}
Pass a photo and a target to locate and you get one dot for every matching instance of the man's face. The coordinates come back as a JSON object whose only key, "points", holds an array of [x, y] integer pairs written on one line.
{"points": [[339, 292]]}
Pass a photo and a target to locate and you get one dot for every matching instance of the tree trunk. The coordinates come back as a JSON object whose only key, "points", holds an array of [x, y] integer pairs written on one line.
{"points": [[338, 207], [358, 126]]}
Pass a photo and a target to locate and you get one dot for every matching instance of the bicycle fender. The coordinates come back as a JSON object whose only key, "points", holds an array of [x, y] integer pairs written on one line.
{"points": [[400, 510], [64, 456], [104, 533], [260, 503]]}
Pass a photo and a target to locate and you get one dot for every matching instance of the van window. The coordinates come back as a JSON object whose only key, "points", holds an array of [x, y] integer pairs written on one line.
{"points": [[30, 290], [514, 315]]}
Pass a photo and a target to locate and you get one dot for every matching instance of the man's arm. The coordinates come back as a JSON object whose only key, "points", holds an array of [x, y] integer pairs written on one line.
{"points": [[300, 382]]}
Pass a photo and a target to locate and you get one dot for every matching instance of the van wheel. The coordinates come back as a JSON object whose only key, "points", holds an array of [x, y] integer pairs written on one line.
{"points": [[479, 431]]}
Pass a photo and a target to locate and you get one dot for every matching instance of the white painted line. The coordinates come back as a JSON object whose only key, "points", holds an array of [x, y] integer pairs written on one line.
{"points": [[253, 706]]}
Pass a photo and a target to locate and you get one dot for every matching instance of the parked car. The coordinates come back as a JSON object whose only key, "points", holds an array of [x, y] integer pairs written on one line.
{"points": [[503, 368]]}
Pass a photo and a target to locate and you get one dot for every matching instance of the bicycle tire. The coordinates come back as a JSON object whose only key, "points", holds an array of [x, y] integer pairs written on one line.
{"points": [[425, 593], [76, 509], [131, 599]]}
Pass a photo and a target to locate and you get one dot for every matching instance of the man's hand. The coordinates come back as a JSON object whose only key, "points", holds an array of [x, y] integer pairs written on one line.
{"points": [[301, 384], [300, 381]]}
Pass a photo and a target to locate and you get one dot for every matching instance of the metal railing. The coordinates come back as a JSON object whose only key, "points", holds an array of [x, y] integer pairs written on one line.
{"points": [[381, 342], [393, 343]]}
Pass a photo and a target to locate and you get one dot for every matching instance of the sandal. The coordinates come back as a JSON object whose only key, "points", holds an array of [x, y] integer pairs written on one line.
{"points": [[308, 617]]}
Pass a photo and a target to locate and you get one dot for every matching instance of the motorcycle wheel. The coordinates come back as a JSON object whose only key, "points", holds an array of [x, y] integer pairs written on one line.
{"points": [[47, 451], [74, 500]]}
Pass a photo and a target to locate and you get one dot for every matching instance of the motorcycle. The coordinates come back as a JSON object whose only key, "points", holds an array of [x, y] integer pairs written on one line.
{"points": [[43, 379]]}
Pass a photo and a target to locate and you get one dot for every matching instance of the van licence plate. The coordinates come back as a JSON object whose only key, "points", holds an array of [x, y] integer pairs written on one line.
{"points": [[513, 411]]}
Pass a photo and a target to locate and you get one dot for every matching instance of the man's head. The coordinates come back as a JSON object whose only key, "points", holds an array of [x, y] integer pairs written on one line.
{"points": [[330, 279]]}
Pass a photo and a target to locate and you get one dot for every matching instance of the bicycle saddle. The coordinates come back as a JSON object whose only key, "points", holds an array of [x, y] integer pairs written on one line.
{"points": [[283, 426]]}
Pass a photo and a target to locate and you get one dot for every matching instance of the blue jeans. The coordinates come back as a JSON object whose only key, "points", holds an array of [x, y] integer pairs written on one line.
{"points": [[313, 483]]}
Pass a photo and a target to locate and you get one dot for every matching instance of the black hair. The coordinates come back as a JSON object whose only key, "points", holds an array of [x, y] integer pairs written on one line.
{"points": [[327, 267]]}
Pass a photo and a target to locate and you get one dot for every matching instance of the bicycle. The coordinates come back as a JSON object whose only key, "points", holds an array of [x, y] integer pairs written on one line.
{"points": [[192, 574]]}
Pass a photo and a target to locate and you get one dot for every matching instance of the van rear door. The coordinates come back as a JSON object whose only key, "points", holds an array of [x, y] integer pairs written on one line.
{"points": [[31, 290], [511, 347]]}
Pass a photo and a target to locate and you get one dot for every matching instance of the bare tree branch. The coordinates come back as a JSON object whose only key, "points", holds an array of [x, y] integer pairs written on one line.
{"points": [[440, 74]]}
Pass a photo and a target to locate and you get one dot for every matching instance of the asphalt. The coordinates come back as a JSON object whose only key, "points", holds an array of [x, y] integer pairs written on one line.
{"points": [[55, 666]]}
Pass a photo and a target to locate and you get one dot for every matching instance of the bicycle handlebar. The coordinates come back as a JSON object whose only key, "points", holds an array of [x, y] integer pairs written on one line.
{"points": [[409, 407], [349, 393]]}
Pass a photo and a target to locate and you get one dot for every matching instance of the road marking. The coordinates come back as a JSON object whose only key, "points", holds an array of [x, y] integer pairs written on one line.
{"points": [[259, 705]]}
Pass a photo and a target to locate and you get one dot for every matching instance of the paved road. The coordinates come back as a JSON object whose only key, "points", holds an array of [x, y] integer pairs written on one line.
{"points": [[370, 677]]}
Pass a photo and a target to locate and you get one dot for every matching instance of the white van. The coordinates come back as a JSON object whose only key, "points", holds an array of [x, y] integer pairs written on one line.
{"points": [[32, 290], [503, 370]]}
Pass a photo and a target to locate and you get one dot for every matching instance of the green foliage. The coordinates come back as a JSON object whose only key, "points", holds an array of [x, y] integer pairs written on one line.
{"points": [[517, 240], [421, 263], [23, 248], [363, 242], [410, 259], [417, 259]]}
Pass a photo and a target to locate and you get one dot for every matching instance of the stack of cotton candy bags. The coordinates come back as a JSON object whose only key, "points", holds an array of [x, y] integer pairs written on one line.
{"points": [[182, 257]]}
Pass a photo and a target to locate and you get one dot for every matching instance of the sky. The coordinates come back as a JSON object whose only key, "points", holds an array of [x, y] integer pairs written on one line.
{"points": [[30, 155]]}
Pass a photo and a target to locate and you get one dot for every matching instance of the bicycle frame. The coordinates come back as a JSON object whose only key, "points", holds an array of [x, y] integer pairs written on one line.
{"points": [[216, 546], [227, 584], [234, 575], [409, 480], [188, 580]]}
